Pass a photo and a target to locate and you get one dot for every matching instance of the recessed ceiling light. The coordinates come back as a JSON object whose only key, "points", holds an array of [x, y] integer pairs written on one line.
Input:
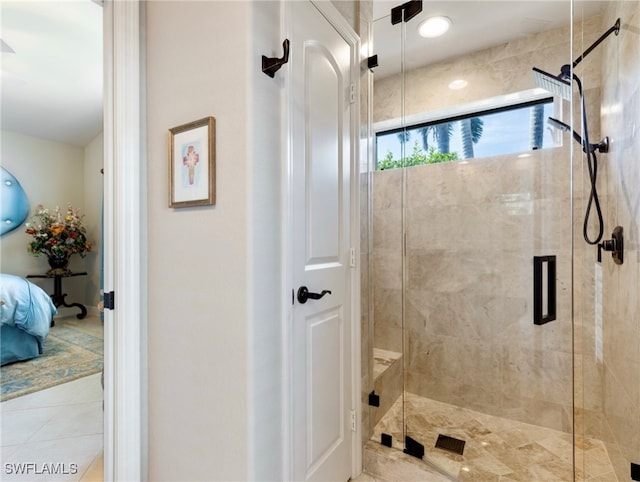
{"points": [[434, 27], [458, 84]]}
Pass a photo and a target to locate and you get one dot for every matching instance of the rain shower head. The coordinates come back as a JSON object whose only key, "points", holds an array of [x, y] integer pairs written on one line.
{"points": [[557, 85], [560, 85]]}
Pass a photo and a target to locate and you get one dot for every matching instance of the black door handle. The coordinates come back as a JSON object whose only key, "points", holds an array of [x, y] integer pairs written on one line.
{"points": [[304, 294], [540, 316]]}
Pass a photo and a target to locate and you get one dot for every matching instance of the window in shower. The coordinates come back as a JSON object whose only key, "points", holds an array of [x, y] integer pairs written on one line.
{"points": [[503, 130]]}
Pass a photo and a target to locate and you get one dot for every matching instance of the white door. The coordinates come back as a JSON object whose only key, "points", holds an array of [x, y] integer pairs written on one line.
{"points": [[321, 168]]}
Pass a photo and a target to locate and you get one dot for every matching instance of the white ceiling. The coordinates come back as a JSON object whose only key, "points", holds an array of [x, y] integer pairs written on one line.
{"points": [[52, 84], [476, 25]]}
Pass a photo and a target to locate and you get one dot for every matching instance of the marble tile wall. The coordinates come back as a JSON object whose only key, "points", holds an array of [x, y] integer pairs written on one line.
{"points": [[616, 375], [469, 326], [495, 71], [471, 232]]}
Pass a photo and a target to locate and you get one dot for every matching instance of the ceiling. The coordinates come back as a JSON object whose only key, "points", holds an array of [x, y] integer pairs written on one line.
{"points": [[52, 82], [476, 25]]}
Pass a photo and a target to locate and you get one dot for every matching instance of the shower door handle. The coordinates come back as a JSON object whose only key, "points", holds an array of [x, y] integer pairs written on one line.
{"points": [[540, 315], [304, 294]]}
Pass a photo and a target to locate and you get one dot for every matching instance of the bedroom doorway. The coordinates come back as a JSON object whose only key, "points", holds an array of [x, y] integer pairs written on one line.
{"points": [[53, 143], [123, 218]]}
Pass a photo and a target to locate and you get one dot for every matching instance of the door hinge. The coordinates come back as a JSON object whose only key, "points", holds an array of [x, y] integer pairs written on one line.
{"points": [[352, 94], [109, 300], [354, 423], [352, 257]]}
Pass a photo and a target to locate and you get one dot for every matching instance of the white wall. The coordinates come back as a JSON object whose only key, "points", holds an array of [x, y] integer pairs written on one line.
{"points": [[265, 225], [51, 173], [198, 64]]}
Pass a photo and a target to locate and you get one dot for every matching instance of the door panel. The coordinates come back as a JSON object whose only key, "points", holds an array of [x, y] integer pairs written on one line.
{"points": [[321, 331], [323, 82], [325, 392]]}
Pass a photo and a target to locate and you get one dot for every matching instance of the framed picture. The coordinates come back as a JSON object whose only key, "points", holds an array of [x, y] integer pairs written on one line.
{"points": [[192, 166]]}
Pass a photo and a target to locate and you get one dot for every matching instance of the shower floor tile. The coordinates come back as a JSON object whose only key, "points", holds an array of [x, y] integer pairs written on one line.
{"points": [[495, 449]]}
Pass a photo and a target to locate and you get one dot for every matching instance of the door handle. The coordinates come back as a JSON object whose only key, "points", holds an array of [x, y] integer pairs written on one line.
{"points": [[540, 316], [304, 294]]}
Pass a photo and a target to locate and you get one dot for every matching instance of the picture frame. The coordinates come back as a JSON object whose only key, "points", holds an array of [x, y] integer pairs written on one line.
{"points": [[192, 176]]}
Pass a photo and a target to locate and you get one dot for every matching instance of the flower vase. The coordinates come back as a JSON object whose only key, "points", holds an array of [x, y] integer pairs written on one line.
{"points": [[58, 263]]}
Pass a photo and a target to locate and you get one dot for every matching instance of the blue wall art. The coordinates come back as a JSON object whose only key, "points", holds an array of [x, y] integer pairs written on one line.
{"points": [[14, 204]]}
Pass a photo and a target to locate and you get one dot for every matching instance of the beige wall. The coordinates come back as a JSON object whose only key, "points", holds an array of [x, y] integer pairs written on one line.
{"points": [[215, 300], [495, 71], [197, 341], [52, 174], [471, 232], [606, 384], [93, 181], [611, 382]]}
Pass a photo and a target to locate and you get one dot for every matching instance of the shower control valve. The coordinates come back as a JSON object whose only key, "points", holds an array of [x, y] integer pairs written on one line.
{"points": [[615, 245]]}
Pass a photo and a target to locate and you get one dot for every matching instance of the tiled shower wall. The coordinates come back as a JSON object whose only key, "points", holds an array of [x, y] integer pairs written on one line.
{"points": [[612, 373], [471, 232]]}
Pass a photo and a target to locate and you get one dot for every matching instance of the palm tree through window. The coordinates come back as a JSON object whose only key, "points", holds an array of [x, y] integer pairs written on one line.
{"points": [[513, 129]]}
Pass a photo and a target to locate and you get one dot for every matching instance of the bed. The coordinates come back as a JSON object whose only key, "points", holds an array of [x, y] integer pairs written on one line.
{"points": [[26, 311]]}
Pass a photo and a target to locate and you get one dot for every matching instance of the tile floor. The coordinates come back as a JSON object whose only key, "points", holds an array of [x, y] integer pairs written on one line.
{"points": [[55, 430], [364, 477], [496, 449]]}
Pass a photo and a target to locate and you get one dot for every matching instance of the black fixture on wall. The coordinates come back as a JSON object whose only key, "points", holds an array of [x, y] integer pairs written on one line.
{"points": [[270, 65], [560, 85], [615, 246], [406, 11]]}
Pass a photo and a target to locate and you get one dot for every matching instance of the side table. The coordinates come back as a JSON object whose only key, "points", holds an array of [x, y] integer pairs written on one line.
{"points": [[58, 297]]}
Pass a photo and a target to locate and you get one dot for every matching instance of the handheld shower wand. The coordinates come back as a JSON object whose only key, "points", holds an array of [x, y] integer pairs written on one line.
{"points": [[603, 146], [560, 85]]}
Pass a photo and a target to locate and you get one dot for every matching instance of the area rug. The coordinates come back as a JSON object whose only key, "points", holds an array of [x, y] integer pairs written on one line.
{"points": [[69, 354]]}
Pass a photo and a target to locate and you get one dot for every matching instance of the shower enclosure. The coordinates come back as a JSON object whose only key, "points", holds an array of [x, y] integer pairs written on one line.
{"points": [[474, 204]]}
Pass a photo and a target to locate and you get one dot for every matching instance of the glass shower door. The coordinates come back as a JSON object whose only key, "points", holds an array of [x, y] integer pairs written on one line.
{"points": [[471, 197], [386, 233], [487, 341]]}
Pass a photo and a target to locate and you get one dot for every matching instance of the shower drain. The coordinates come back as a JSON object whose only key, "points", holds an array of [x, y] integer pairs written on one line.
{"points": [[450, 444]]}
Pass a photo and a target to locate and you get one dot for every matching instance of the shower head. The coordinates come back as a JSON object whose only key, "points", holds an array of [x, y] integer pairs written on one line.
{"points": [[559, 124], [557, 85], [560, 85], [603, 146]]}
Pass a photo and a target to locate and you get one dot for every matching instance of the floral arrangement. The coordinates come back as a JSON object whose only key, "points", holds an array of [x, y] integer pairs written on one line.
{"points": [[57, 234]]}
